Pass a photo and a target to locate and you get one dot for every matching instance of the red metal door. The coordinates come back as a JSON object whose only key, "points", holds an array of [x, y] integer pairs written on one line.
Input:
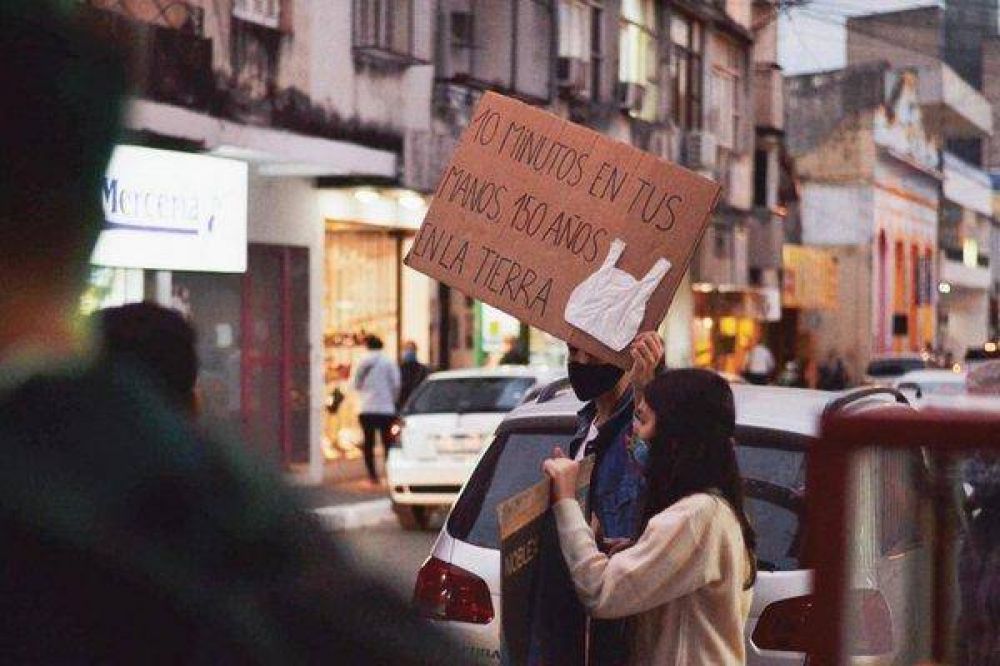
{"points": [[275, 379]]}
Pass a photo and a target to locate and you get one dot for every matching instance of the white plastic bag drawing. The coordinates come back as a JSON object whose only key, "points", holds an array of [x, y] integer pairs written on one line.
{"points": [[610, 304]]}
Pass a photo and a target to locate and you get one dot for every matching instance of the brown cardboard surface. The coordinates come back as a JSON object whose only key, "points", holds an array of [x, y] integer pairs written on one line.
{"points": [[529, 207]]}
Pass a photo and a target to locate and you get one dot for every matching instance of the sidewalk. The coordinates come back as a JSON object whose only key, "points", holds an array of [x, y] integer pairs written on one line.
{"points": [[345, 500]]}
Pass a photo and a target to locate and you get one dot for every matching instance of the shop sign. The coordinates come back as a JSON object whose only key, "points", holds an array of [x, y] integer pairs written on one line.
{"points": [[167, 210], [563, 228], [809, 278]]}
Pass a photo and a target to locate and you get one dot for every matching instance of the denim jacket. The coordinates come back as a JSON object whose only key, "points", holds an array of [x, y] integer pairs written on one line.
{"points": [[618, 480]]}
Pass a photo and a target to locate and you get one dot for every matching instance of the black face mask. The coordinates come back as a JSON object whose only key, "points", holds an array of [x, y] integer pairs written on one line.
{"points": [[592, 380]]}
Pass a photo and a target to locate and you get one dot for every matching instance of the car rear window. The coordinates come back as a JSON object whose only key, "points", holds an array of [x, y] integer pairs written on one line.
{"points": [[981, 354], [774, 475], [511, 464], [894, 367], [471, 394]]}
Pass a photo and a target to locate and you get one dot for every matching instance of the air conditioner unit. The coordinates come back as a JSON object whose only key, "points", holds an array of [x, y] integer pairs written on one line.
{"points": [[700, 150], [573, 74], [630, 96], [262, 12]]}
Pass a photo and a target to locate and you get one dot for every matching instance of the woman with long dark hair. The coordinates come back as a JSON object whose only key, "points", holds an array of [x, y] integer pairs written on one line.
{"points": [[686, 582]]}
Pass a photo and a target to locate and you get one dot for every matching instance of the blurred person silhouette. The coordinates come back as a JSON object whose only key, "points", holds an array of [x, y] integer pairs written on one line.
{"points": [[412, 373], [832, 373], [513, 352], [160, 342], [759, 366], [979, 557], [377, 380], [128, 537]]}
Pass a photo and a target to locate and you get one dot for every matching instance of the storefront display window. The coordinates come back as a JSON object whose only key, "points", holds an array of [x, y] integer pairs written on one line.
{"points": [[364, 274]]}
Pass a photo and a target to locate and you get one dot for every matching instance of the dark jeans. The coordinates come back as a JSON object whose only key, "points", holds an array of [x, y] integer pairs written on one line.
{"points": [[757, 378], [370, 423]]}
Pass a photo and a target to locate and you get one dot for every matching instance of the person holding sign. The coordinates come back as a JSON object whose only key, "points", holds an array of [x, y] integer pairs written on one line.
{"points": [[605, 430], [686, 582]]}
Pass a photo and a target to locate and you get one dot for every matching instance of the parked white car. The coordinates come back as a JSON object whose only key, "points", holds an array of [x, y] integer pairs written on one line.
{"points": [[919, 385], [883, 370], [459, 586], [444, 426]]}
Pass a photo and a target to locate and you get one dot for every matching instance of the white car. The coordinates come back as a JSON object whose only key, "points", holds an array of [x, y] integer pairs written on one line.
{"points": [[883, 370], [445, 424], [921, 384], [459, 586]]}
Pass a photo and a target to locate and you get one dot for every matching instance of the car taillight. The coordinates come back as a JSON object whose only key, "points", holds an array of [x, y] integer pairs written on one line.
{"points": [[784, 625], [447, 592], [395, 431]]}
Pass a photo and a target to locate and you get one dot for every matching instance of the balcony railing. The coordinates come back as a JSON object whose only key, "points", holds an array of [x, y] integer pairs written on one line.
{"points": [[175, 14], [967, 185], [172, 62]]}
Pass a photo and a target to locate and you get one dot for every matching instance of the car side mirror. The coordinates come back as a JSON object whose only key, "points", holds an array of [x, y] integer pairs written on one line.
{"points": [[911, 386]]}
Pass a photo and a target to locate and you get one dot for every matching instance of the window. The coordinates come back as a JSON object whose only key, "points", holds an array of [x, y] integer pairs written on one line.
{"points": [[687, 37], [638, 60], [580, 55], [512, 464], [774, 478], [472, 394], [384, 26], [724, 115], [760, 162], [574, 29]]}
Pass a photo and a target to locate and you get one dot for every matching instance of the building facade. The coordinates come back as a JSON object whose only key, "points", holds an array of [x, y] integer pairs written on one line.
{"points": [[314, 99], [869, 185], [949, 48], [673, 78]]}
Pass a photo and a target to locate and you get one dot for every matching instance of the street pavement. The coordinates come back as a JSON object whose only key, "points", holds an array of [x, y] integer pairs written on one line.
{"points": [[390, 553]]}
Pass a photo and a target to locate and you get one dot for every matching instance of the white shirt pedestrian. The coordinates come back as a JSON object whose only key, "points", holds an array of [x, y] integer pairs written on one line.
{"points": [[760, 360], [378, 382]]}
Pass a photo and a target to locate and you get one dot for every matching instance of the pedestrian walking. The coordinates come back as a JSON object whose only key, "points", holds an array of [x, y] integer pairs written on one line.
{"points": [[979, 565], [759, 366], [686, 582], [832, 373], [412, 373], [128, 536], [605, 430], [377, 380]]}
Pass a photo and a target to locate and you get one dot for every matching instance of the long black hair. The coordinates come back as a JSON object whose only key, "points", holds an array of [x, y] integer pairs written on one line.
{"points": [[694, 449]]}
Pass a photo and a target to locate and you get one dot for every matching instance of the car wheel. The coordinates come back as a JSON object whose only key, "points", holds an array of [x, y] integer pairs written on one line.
{"points": [[411, 516]]}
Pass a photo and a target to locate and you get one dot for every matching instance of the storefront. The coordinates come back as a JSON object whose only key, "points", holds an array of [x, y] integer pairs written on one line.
{"points": [[368, 291], [177, 234], [726, 324]]}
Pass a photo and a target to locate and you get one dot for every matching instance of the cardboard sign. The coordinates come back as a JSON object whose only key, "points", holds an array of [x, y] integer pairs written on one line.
{"points": [[565, 229], [543, 622]]}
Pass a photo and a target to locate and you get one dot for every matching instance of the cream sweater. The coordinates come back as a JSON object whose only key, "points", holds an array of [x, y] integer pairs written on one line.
{"points": [[683, 580]]}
